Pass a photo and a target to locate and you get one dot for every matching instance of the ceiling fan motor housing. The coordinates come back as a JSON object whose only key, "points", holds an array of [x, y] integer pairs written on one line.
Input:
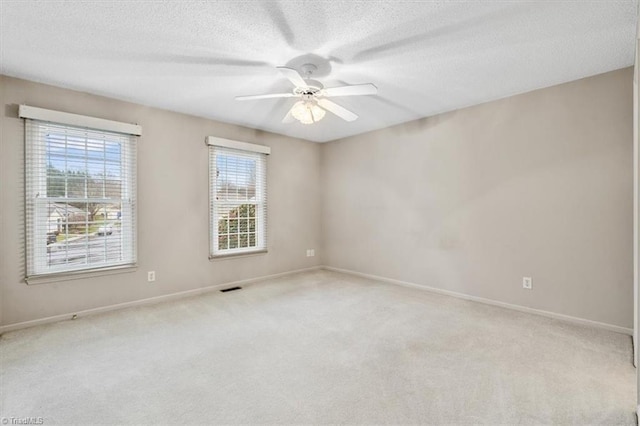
{"points": [[314, 88]]}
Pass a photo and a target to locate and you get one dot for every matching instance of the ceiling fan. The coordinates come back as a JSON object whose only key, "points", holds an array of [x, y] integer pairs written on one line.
{"points": [[313, 96]]}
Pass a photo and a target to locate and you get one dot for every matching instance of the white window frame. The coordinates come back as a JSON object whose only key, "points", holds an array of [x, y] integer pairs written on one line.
{"points": [[227, 147], [37, 124]]}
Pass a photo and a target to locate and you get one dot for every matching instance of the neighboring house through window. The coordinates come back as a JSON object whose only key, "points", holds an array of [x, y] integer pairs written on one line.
{"points": [[238, 208], [80, 193]]}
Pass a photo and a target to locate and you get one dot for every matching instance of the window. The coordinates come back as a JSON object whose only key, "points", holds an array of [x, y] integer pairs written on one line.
{"points": [[238, 208], [80, 198]]}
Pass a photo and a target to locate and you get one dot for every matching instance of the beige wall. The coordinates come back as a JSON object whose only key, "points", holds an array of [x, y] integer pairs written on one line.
{"points": [[172, 209], [471, 201]]}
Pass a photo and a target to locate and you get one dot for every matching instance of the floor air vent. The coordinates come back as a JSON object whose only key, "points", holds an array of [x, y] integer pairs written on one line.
{"points": [[224, 290]]}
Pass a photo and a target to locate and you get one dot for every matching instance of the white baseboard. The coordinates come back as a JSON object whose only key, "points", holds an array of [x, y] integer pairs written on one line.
{"points": [[197, 291], [548, 314], [148, 301]]}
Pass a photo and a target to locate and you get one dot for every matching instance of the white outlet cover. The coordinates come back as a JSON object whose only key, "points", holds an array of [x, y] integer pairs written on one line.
{"points": [[527, 283]]}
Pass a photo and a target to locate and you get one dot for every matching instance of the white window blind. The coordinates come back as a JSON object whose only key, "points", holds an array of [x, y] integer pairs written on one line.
{"points": [[238, 200], [80, 198]]}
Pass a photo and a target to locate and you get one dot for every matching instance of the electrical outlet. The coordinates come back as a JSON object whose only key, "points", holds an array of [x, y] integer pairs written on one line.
{"points": [[527, 283], [151, 276], [311, 252]]}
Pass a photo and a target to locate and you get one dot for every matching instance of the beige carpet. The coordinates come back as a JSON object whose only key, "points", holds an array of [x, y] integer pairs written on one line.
{"points": [[318, 347]]}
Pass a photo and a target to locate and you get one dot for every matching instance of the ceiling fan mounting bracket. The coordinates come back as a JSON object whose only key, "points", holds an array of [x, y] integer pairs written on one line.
{"points": [[308, 69]]}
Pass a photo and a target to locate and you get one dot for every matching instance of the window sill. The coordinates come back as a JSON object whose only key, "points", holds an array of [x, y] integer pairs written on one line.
{"points": [[237, 255], [76, 275]]}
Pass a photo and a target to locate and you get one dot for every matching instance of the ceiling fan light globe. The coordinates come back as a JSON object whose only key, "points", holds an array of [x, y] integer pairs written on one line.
{"points": [[307, 112], [299, 110], [317, 113], [307, 120]]}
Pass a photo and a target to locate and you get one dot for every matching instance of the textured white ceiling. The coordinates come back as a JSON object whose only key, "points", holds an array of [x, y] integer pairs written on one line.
{"points": [[425, 57]]}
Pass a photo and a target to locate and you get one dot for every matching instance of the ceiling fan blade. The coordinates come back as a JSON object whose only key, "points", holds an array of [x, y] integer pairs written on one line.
{"points": [[265, 96], [274, 10], [341, 112], [289, 118], [354, 90], [293, 76]]}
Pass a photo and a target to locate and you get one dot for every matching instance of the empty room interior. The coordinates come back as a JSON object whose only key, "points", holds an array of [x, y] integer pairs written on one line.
{"points": [[319, 212]]}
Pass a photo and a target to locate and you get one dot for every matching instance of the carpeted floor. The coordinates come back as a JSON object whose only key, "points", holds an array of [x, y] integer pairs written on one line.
{"points": [[317, 347]]}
